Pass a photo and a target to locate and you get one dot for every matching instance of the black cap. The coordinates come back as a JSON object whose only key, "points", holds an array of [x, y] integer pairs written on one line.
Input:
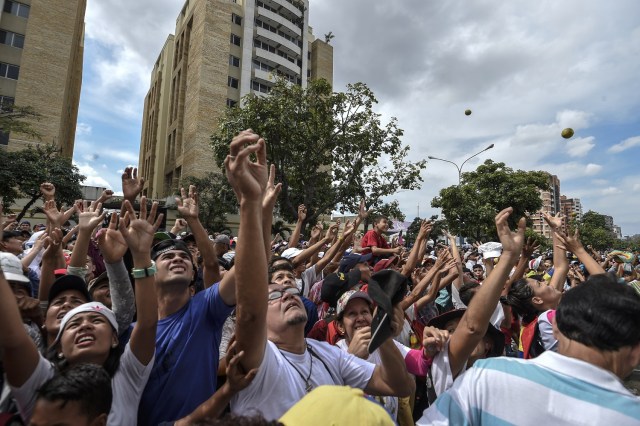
{"points": [[68, 282], [10, 234], [336, 284], [387, 288], [167, 245]]}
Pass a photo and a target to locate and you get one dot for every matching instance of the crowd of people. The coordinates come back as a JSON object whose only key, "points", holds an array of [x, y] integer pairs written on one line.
{"points": [[115, 321]]}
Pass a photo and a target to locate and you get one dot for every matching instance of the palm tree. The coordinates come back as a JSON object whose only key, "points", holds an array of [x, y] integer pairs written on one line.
{"points": [[328, 37], [279, 228]]}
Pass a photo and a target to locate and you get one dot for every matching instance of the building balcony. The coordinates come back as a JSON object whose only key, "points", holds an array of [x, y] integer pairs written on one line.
{"points": [[287, 5], [279, 20], [264, 75], [279, 60], [289, 47]]}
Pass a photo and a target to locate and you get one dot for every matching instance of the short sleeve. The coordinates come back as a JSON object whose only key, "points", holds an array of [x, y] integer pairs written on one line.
{"points": [[217, 309], [25, 395]]}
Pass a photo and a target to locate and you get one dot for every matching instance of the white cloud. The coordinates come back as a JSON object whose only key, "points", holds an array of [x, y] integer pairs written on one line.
{"points": [[625, 145], [83, 129], [612, 190], [579, 147], [93, 177]]}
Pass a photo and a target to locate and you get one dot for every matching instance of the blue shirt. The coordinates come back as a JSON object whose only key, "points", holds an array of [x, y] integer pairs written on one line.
{"points": [[186, 366]]}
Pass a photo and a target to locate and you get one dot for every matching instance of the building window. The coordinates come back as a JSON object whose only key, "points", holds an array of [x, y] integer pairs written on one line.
{"points": [[15, 8], [9, 71], [231, 103], [12, 39], [234, 61], [232, 82], [6, 102], [236, 19], [235, 39], [4, 138], [259, 87]]}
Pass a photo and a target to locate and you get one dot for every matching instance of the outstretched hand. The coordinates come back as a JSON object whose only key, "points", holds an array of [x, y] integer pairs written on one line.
{"points": [[512, 242], [90, 216], [48, 191], [188, 203], [272, 192], [569, 242], [139, 232], [111, 242], [247, 178], [131, 184], [555, 222]]}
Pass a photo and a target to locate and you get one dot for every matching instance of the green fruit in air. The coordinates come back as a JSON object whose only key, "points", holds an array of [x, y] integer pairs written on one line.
{"points": [[467, 112], [567, 133]]}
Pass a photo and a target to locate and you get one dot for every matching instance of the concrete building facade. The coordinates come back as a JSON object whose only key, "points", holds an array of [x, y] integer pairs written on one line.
{"points": [[571, 208], [550, 205], [41, 56], [222, 50]]}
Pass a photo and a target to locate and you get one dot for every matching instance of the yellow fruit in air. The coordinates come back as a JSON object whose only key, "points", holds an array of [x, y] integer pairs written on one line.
{"points": [[467, 112], [567, 133]]}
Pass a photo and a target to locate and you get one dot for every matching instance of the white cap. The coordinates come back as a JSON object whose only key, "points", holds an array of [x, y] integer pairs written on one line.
{"points": [[95, 307], [490, 250], [12, 267], [291, 252]]}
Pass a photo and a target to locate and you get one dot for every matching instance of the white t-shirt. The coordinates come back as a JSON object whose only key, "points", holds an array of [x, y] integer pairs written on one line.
{"points": [[441, 371], [279, 385], [390, 402], [127, 386], [308, 279]]}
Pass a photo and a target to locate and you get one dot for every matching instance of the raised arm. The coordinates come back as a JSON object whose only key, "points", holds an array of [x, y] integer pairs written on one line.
{"points": [[459, 281], [308, 252], [19, 354], [139, 236], [419, 248], [131, 184], [473, 324], [268, 204], [573, 244], [560, 261], [52, 259], [88, 220], [189, 209], [249, 181], [294, 238]]}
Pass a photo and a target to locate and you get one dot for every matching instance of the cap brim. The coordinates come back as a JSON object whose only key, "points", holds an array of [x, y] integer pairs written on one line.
{"points": [[380, 329], [16, 277], [441, 320]]}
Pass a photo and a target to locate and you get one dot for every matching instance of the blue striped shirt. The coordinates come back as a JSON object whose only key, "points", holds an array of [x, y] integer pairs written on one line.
{"points": [[550, 390]]}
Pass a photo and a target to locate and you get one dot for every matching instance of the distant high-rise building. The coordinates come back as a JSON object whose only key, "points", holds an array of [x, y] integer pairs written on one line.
{"points": [[221, 51], [550, 205], [41, 54], [608, 222], [571, 209], [617, 231]]}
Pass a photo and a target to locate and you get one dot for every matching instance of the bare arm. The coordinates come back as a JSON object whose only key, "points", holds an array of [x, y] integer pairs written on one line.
{"points": [[139, 236], [419, 248], [52, 259], [458, 259], [308, 252], [268, 203], [294, 238], [249, 181], [560, 261], [88, 220], [573, 244], [473, 324], [20, 356]]}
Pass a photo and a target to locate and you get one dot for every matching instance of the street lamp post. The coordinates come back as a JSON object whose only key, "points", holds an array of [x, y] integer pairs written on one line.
{"points": [[462, 165]]}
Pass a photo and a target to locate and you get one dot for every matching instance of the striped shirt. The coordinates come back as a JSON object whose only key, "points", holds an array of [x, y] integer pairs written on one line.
{"points": [[550, 390]]}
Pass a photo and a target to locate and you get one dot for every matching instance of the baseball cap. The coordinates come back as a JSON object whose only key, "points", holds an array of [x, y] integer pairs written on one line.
{"points": [[352, 259], [163, 235], [68, 282], [12, 268], [96, 307], [291, 252], [348, 297], [168, 245], [490, 250], [335, 284], [336, 405], [222, 239], [99, 279]]}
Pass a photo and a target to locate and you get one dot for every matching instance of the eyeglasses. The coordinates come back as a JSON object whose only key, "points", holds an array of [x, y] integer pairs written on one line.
{"points": [[277, 294]]}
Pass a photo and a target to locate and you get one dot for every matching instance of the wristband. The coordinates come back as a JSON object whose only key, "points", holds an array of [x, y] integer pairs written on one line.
{"points": [[149, 271]]}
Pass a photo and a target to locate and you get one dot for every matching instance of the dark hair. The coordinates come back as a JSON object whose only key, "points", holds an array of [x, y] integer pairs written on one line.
{"points": [[600, 313], [520, 299], [379, 218], [467, 291], [478, 266], [87, 384], [284, 264]]}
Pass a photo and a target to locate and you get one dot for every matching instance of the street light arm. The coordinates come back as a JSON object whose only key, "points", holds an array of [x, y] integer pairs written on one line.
{"points": [[477, 153], [446, 161]]}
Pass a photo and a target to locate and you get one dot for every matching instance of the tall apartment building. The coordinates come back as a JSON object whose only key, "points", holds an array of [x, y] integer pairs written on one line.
{"points": [[571, 209], [41, 54], [222, 50], [550, 204]]}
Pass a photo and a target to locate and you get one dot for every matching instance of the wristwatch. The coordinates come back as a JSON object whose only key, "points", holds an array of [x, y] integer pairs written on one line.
{"points": [[149, 271]]}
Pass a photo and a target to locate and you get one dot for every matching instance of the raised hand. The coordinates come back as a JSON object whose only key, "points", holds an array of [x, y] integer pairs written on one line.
{"points": [[363, 213], [511, 241], [349, 229], [332, 232], [57, 218], [302, 213], [131, 184], [53, 243], [111, 243], [316, 231], [90, 216], [188, 204], [106, 195], [139, 232], [569, 242], [529, 247], [555, 222], [248, 179], [48, 191], [425, 229], [273, 190]]}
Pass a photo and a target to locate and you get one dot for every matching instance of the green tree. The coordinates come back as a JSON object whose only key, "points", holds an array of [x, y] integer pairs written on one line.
{"points": [[18, 119], [330, 149], [280, 228], [593, 231], [22, 172], [216, 197], [470, 207]]}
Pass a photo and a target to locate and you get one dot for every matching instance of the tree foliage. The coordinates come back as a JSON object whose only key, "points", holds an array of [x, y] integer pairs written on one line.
{"points": [[17, 119], [470, 208], [330, 149], [594, 232], [216, 197], [22, 172]]}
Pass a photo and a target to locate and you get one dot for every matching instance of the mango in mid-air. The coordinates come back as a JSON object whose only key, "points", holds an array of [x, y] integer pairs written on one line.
{"points": [[567, 133], [467, 112]]}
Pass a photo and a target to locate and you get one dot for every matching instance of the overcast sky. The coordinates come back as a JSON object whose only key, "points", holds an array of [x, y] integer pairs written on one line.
{"points": [[526, 70]]}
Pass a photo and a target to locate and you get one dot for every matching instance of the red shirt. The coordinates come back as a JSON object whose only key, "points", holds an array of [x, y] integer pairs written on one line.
{"points": [[370, 239]]}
